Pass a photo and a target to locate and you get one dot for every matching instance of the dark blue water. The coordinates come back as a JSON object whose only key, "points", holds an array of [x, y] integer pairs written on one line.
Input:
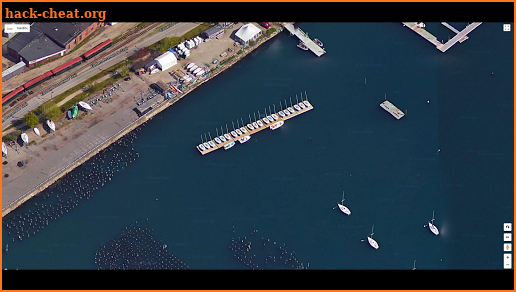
{"points": [[286, 183]]}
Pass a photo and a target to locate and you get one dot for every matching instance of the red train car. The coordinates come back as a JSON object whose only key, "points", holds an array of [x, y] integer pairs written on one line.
{"points": [[12, 95], [97, 49], [66, 66], [37, 80]]}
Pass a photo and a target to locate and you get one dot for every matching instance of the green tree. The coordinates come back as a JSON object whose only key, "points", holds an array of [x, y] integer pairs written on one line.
{"points": [[31, 119]]}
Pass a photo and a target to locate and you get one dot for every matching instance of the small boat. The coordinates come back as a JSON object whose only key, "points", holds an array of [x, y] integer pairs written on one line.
{"points": [[250, 127], [371, 241], [244, 139], [306, 103], [265, 120], [275, 117], [260, 124], [227, 137], [301, 105], [206, 145], [296, 107], [234, 134], [51, 125], [291, 110], [212, 144], [302, 46], [85, 105], [75, 111], [277, 125], [244, 131], [36, 131], [189, 65], [239, 132], [69, 114], [222, 138], [343, 208], [286, 112], [270, 119], [4, 149], [25, 138], [217, 139], [432, 227], [318, 42], [281, 114], [202, 147], [229, 145]]}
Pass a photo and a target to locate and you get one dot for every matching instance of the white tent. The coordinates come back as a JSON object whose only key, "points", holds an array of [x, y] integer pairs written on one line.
{"points": [[165, 61], [247, 33]]}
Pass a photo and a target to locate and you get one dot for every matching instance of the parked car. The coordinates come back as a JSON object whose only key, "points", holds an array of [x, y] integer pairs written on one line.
{"points": [[265, 24]]}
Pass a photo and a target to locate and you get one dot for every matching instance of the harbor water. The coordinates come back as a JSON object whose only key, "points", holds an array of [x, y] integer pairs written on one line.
{"points": [[452, 153]]}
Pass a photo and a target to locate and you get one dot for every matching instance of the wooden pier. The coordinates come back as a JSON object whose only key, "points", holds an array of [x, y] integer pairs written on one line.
{"points": [[302, 36], [443, 47], [254, 131]]}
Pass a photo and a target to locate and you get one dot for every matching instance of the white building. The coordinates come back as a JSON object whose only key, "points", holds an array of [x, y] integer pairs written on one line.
{"points": [[166, 61], [248, 32]]}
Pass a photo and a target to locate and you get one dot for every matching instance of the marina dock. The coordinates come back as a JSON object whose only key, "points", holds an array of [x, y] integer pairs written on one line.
{"points": [[443, 47], [254, 131], [302, 36]]}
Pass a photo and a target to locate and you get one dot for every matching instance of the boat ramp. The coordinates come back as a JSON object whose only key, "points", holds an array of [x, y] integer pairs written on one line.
{"points": [[256, 130], [303, 37]]}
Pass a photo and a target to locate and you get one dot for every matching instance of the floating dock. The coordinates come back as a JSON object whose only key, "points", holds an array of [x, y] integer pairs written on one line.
{"points": [[254, 131], [302, 36], [392, 109]]}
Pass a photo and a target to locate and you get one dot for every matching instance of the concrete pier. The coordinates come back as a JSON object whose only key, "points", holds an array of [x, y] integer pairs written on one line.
{"points": [[302, 36], [459, 36], [455, 31]]}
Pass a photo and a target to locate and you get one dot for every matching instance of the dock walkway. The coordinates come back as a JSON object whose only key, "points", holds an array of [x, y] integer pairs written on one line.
{"points": [[459, 36], [302, 36], [454, 30], [254, 131]]}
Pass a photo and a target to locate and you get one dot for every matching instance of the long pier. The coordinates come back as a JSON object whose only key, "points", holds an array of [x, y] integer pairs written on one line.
{"points": [[443, 47], [250, 132], [302, 36]]}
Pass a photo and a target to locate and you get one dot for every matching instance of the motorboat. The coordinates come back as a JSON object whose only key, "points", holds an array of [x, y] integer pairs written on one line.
{"points": [[297, 108], [318, 42], [36, 130], [229, 145], [432, 227], [277, 125], [275, 117], [265, 120], [25, 138], [234, 134], [250, 127], [75, 111], [4, 149], [244, 139], [51, 125], [217, 139], [343, 208], [85, 105], [371, 241], [291, 110], [202, 147], [302, 46], [69, 114]]}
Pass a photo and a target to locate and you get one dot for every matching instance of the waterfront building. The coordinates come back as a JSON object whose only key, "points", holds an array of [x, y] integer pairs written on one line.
{"points": [[248, 32]]}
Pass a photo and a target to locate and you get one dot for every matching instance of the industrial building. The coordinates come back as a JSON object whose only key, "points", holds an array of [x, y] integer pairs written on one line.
{"points": [[166, 61]]}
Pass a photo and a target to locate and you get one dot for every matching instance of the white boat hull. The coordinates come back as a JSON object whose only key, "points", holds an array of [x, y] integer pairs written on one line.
{"points": [[85, 105], [373, 242], [37, 131], [344, 209], [244, 139], [276, 125], [25, 138], [433, 228], [4, 149]]}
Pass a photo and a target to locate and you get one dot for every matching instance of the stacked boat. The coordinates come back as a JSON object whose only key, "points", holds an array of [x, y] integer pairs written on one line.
{"points": [[51, 125]]}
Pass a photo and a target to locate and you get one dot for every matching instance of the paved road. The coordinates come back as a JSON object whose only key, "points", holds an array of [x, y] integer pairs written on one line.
{"points": [[176, 30]]}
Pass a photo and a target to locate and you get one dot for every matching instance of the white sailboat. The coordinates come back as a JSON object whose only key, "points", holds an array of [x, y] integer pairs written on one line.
{"points": [[414, 265], [343, 208], [371, 241], [432, 227], [37, 131], [4, 149], [25, 138], [51, 125], [85, 105]]}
